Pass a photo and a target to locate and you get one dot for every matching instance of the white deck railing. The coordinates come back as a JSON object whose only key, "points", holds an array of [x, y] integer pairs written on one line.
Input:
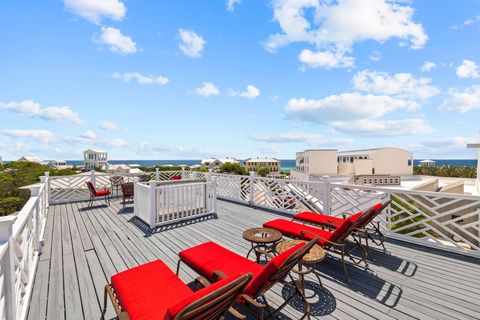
{"points": [[162, 203], [21, 238]]}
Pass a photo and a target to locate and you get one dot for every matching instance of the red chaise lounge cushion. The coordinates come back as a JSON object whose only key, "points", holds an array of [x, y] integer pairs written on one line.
{"points": [[209, 257], [318, 218]]}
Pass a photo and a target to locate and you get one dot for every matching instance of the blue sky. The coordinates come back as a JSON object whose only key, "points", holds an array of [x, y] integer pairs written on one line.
{"points": [[192, 79]]}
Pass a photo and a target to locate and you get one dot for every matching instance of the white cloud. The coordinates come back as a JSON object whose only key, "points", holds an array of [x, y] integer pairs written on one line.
{"points": [[468, 69], [95, 10], [231, 4], [325, 59], [108, 125], [381, 128], [337, 25], [449, 142], [462, 101], [115, 143], [403, 85], [428, 66], [44, 136], [468, 22], [347, 106], [269, 149], [299, 137], [251, 92], [32, 109], [375, 56], [207, 89], [89, 134], [191, 43], [140, 78], [117, 42]]}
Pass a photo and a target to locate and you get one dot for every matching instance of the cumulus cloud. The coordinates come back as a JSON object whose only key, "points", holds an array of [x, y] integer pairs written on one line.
{"points": [[250, 92], [33, 109], [231, 4], [462, 101], [89, 134], [468, 22], [299, 137], [44, 136], [325, 59], [115, 143], [347, 106], [207, 89], [401, 84], [108, 125], [95, 10], [428, 66], [191, 44], [382, 128], [337, 25], [269, 149], [375, 56], [140, 78], [116, 41], [468, 69]]}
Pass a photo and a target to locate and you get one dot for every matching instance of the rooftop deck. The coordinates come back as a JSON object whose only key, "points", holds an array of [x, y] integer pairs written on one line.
{"points": [[85, 247]]}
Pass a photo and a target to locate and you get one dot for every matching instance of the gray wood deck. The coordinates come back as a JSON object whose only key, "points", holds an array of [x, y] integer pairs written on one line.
{"points": [[85, 247]]}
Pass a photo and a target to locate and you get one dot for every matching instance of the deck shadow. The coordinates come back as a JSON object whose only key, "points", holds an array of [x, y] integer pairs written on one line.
{"points": [[363, 281], [391, 262], [147, 231], [322, 301]]}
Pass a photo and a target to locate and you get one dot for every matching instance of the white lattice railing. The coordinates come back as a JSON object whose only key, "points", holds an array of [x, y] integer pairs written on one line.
{"points": [[162, 203], [21, 238], [233, 187]]}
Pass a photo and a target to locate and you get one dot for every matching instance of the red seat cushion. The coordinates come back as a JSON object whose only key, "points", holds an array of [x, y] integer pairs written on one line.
{"points": [[318, 218], [147, 291], [294, 230], [209, 257], [103, 192]]}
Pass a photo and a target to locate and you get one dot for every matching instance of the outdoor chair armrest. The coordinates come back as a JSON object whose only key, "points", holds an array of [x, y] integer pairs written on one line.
{"points": [[201, 282], [266, 253], [218, 275], [237, 314], [322, 238], [252, 301]]}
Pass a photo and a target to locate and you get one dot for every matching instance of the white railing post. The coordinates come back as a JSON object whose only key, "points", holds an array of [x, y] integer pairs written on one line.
{"points": [[182, 174], [252, 187], [135, 196], [46, 180], [157, 174], [326, 195], [214, 193], [209, 175], [92, 177], [152, 197], [6, 236]]}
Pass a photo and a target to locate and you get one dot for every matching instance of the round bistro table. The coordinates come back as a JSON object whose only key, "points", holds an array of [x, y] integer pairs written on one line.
{"points": [[261, 238], [308, 262]]}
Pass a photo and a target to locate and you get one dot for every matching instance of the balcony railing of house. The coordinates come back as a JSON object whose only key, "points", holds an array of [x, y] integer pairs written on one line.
{"points": [[442, 220]]}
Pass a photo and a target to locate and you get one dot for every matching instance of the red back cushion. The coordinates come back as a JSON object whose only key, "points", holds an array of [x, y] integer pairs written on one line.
{"points": [[371, 214], [260, 280], [340, 232], [194, 296], [90, 187]]}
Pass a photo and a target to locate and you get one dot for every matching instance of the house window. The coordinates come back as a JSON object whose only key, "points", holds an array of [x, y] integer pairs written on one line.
{"points": [[409, 162]]}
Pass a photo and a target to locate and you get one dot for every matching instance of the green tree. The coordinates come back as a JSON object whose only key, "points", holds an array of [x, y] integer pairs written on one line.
{"points": [[262, 172], [234, 168]]}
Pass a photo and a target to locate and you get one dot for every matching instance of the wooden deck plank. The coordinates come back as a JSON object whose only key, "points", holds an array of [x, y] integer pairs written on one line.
{"points": [[407, 282]]}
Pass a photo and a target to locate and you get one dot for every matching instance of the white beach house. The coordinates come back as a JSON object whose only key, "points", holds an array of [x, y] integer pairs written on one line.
{"points": [[95, 159]]}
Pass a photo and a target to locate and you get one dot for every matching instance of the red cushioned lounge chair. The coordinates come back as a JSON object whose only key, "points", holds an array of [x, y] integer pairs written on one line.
{"points": [[94, 193], [153, 291], [369, 230], [329, 240], [209, 257]]}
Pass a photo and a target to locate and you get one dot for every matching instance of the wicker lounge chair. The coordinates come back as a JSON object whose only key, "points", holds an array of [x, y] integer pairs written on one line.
{"points": [[94, 193], [127, 192], [153, 291], [331, 241], [208, 257], [369, 229]]}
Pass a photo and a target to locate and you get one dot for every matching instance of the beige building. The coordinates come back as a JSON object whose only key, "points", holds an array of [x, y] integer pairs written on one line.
{"points": [[215, 164], [30, 159], [315, 162], [95, 159], [476, 146], [379, 161], [254, 164]]}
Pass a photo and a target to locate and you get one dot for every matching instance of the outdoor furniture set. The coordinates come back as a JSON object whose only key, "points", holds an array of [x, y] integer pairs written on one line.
{"points": [[228, 281]]}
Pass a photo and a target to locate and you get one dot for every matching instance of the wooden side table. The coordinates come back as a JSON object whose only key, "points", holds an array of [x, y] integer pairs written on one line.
{"points": [[308, 262], [261, 238]]}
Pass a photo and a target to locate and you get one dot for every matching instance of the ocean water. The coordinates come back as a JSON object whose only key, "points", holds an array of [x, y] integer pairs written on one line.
{"points": [[285, 164]]}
